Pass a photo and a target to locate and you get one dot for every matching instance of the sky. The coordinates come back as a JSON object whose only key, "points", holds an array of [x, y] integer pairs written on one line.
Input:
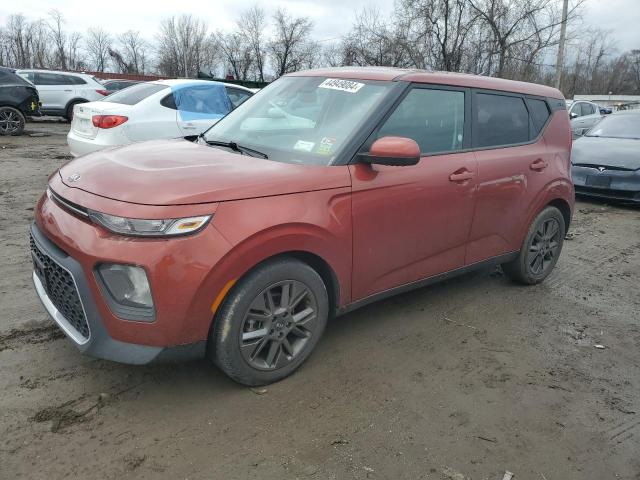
{"points": [[332, 18]]}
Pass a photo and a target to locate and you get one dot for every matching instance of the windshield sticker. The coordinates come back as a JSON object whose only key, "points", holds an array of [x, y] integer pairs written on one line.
{"points": [[326, 145], [305, 146], [342, 85]]}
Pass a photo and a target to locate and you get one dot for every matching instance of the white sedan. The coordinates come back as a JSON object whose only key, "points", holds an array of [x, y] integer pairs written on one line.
{"points": [[151, 111]]}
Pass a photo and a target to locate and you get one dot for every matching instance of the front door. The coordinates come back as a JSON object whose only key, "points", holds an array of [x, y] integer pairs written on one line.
{"points": [[410, 223]]}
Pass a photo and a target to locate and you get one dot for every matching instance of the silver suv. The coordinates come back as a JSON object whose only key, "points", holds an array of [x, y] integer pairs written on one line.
{"points": [[583, 115], [60, 91]]}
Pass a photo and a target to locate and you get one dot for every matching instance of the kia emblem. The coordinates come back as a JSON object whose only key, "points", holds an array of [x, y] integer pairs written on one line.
{"points": [[74, 177]]}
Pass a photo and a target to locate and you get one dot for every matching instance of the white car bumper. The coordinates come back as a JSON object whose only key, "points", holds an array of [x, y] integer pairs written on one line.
{"points": [[79, 145]]}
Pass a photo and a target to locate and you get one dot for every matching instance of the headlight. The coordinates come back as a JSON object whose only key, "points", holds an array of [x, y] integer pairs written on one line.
{"points": [[149, 228]]}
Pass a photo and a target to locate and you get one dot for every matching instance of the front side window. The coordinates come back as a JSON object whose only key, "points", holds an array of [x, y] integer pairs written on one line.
{"points": [[433, 118], [305, 120], [135, 94], [587, 109], [500, 120]]}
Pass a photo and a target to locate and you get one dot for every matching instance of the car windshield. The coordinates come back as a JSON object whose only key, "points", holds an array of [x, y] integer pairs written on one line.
{"points": [[306, 120], [617, 126]]}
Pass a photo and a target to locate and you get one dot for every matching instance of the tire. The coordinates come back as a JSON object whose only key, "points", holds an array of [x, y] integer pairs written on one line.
{"points": [[69, 112], [541, 248], [11, 121], [262, 332]]}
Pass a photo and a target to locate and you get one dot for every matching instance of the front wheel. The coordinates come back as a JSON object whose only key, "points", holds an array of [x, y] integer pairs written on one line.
{"points": [[540, 250], [11, 121], [270, 323]]}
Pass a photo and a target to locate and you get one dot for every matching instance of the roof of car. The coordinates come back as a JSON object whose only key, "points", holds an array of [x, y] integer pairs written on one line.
{"points": [[62, 72], [440, 78], [188, 81]]}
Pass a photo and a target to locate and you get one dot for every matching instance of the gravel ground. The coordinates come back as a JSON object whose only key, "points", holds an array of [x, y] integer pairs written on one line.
{"points": [[465, 379]]}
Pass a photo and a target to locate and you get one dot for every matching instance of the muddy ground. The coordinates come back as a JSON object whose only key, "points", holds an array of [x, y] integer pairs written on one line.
{"points": [[466, 379]]}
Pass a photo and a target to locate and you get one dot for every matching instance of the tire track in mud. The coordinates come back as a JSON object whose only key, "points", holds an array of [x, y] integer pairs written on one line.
{"points": [[17, 337]]}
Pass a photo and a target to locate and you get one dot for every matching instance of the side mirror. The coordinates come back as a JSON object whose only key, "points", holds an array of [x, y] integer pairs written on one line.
{"points": [[573, 115], [394, 151]]}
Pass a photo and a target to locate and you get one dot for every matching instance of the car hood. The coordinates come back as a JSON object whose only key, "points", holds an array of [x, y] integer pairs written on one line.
{"points": [[179, 172], [608, 152]]}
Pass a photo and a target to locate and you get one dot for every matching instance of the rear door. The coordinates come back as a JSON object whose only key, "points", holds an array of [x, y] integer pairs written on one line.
{"points": [[410, 223], [512, 162], [54, 89]]}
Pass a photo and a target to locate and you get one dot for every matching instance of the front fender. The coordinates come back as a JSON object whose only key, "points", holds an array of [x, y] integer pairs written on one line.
{"points": [[317, 223]]}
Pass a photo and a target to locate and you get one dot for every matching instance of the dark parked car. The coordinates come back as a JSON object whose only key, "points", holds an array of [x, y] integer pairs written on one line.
{"points": [[605, 110], [606, 160], [115, 85], [18, 100]]}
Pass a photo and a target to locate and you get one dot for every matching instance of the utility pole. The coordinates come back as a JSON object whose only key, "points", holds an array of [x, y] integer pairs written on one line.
{"points": [[563, 35]]}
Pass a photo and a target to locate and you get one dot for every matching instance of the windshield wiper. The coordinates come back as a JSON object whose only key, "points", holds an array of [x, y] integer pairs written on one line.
{"points": [[238, 148]]}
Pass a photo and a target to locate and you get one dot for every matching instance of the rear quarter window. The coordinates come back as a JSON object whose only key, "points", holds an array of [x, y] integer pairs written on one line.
{"points": [[135, 93], [539, 111], [500, 120]]}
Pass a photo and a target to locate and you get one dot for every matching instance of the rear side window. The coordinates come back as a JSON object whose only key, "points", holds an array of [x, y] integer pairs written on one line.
{"points": [[75, 80], [45, 78], [237, 96], [433, 118], [7, 77], [135, 94], [539, 114], [500, 120], [169, 102]]}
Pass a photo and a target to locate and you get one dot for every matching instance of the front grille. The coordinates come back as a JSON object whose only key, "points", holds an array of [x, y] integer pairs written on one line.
{"points": [[61, 290]]}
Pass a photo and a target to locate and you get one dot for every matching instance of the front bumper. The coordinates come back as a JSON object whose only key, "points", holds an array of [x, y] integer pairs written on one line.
{"points": [[95, 340], [614, 184]]}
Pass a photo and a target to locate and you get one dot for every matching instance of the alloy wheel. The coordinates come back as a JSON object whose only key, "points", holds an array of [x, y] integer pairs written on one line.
{"points": [[278, 325], [543, 250], [9, 122]]}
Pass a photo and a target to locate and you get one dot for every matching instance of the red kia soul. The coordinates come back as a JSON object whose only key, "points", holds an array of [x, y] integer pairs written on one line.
{"points": [[325, 191]]}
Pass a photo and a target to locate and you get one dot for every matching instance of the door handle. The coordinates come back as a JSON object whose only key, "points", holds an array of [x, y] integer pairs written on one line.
{"points": [[461, 175], [68, 90], [538, 165]]}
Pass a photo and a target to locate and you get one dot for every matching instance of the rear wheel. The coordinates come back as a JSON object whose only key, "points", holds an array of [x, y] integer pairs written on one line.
{"points": [[270, 323], [541, 249], [69, 113], [11, 121]]}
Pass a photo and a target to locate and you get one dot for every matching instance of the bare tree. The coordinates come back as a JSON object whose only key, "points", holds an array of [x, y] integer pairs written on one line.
{"points": [[98, 46], [58, 39], [288, 46], [375, 41], [183, 46], [237, 53], [436, 31], [134, 51], [252, 25]]}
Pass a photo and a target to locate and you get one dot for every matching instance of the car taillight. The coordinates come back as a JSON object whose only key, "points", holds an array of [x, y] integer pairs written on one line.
{"points": [[103, 92], [108, 121]]}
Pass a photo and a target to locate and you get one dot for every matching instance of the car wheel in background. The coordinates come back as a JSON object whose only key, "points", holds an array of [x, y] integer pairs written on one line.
{"points": [[11, 121], [69, 113], [270, 322], [541, 249]]}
